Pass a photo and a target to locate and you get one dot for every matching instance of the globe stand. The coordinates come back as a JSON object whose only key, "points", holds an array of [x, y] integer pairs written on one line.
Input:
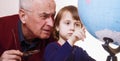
{"points": [[110, 50]]}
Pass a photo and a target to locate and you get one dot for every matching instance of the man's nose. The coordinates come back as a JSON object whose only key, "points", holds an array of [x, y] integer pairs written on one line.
{"points": [[50, 21]]}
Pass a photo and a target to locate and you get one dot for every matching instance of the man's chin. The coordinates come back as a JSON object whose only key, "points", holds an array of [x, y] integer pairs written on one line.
{"points": [[44, 36]]}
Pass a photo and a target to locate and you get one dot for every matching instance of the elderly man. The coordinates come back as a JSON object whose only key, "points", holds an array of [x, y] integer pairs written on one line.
{"points": [[23, 37]]}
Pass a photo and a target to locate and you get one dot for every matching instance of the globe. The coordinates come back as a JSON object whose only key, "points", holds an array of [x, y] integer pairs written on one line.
{"points": [[101, 18]]}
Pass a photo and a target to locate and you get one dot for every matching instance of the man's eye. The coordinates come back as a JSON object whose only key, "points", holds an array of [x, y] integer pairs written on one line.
{"points": [[53, 15], [44, 16]]}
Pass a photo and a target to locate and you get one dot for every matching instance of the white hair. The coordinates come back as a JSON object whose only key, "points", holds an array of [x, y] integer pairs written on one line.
{"points": [[25, 4]]}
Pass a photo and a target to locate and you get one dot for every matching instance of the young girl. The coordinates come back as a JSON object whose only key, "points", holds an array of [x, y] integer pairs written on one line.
{"points": [[67, 30]]}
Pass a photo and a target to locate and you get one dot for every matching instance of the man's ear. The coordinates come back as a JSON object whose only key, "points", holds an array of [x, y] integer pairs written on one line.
{"points": [[22, 15]]}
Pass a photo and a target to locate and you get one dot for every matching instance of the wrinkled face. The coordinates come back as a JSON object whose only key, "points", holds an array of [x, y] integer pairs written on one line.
{"points": [[39, 20], [67, 26]]}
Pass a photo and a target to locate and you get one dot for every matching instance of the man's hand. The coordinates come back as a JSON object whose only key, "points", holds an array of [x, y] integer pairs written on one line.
{"points": [[11, 55]]}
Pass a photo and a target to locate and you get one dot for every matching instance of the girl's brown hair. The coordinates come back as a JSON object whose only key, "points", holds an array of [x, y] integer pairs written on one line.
{"points": [[73, 10]]}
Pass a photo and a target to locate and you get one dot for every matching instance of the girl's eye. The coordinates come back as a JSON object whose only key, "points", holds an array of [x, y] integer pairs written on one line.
{"points": [[78, 25], [67, 22]]}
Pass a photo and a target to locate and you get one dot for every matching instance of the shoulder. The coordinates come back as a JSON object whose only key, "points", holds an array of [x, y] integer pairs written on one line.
{"points": [[79, 50], [9, 18], [7, 24], [52, 45], [9, 21]]}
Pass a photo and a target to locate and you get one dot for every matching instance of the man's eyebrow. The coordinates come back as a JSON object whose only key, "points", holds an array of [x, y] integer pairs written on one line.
{"points": [[46, 13], [42, 13]]}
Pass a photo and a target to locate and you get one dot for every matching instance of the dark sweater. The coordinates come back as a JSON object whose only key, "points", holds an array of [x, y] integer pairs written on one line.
{"points": [[55, 52]]}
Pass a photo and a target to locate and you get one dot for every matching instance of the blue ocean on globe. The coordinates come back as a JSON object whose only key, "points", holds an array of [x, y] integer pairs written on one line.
{"points": [[101, 18]]}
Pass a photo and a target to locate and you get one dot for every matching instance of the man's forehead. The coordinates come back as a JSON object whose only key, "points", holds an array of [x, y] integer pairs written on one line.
{"points": [[44, 4], [44, 7], [45, 1]]}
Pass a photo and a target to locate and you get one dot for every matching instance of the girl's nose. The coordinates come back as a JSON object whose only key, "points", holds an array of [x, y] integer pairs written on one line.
{"points": [[72, 27]]}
